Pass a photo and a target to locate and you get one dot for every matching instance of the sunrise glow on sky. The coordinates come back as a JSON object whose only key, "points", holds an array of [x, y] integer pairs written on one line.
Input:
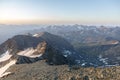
{"points": [[60, 11]]}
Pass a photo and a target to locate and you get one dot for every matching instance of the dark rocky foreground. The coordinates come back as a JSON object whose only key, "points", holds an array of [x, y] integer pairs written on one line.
{"points": [[42, 71]]}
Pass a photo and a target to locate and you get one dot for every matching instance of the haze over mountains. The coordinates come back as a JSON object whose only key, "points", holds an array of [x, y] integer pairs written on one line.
{"points": [[8, 31]]}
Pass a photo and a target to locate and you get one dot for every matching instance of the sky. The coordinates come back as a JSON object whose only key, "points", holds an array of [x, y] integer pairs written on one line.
{"points": [[60, 12]]}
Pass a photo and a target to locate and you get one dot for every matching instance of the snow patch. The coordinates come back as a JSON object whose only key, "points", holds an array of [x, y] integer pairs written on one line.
{"points": [[65, 55], [29, 53], [83, 64], [36, 35], [104, 60], [5, 56], [4, 68], [67, 52]]}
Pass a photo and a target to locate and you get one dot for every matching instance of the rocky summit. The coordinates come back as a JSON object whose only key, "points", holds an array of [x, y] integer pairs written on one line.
{"points": [[42, 71]]}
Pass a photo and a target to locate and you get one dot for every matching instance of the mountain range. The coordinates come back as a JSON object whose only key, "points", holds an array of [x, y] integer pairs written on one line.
{"points": [[71, 45]]}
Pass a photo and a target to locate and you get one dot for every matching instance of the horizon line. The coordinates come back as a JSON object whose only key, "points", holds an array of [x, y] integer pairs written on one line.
{"points": [[18, 22]]}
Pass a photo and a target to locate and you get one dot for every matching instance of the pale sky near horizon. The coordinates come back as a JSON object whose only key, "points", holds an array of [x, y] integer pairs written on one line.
{"points": [[60, 11]]}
